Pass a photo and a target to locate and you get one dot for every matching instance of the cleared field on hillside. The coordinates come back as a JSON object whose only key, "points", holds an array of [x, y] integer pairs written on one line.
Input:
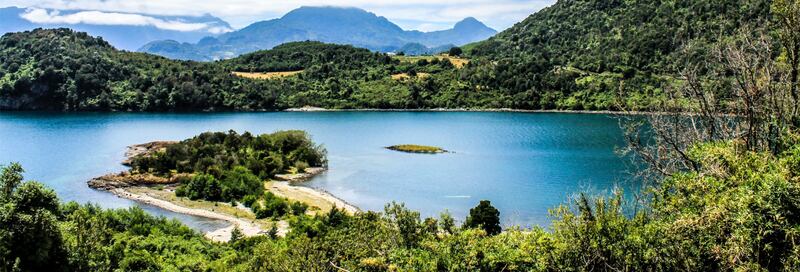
{"points": [[403, 76], [267, 75], [456, 61]]}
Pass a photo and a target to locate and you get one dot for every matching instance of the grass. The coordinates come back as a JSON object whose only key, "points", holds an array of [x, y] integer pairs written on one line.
{"points": [[411, 148], [404, 76], [316, 204], [458, 62], [266, 75]]}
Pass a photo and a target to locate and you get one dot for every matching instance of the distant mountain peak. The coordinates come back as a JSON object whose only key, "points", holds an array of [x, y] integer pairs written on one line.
{"points": [[330, 24], [470, 23]]}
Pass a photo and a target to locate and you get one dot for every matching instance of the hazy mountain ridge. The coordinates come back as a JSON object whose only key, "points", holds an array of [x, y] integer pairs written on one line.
{"points": [[338, 25], [128, 37]]}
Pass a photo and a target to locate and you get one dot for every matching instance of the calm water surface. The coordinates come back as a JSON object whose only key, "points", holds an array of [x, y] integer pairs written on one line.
{"points": [[524, 163]]}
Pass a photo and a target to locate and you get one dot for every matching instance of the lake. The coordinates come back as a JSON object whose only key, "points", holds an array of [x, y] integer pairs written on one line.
{"points": [[525, 163]]}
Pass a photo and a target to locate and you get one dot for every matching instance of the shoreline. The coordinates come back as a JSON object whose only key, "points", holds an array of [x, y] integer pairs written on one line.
{"points": [[248, 228], [306, 109], [286, 189], [609, 112]]}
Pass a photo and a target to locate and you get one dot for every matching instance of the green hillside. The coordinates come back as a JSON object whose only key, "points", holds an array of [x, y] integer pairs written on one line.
{"points": [[61, 69], [588, 50]]}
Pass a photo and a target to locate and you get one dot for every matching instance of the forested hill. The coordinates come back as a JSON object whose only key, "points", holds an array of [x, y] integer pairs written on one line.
{"points": [[297, 56], [60, 69], [63, 70], [621, 38]]}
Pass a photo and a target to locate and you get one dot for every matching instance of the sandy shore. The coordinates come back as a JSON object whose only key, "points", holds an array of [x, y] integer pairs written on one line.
{"points": [[314, 197], [249, 228]]}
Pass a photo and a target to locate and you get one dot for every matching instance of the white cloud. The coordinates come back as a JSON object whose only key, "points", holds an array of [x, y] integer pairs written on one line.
{"points": [[43, 16], [416, 14]]}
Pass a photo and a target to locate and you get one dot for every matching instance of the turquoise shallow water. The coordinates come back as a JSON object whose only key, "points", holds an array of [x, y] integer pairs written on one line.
{"points": [[524, 163]]}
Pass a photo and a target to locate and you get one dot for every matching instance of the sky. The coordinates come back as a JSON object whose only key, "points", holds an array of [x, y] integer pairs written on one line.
{"points": [[424, 15]]}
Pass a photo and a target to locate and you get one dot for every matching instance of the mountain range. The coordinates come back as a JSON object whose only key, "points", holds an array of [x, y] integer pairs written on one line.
{"points": [[129, 32], [337, 25]]}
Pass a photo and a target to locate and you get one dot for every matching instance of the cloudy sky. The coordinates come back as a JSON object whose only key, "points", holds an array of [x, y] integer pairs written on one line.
{"points": [[423, 15]]}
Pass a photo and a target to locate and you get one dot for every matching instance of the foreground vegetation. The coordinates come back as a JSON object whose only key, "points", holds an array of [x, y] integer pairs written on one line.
{"points": [[738, 211]]}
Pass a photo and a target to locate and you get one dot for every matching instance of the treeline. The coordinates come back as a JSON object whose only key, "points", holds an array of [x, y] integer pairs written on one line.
{"points": [[740, 216], [214, 152], [296, 56]]}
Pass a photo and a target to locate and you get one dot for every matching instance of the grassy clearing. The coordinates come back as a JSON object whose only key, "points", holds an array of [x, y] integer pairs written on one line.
{"points": [[404, 76], [458, 62], [411, 148], [267, 75]]}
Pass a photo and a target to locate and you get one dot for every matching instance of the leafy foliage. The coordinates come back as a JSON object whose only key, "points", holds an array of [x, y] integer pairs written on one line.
{"points": [[232, 157]]}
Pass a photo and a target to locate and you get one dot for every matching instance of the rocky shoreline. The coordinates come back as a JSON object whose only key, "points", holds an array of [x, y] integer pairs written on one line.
{"points": [[144, 149], [126, 179]]}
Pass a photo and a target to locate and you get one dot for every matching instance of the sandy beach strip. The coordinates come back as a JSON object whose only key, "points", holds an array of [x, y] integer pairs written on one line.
{"points": [[248, 228], [313, 197]]}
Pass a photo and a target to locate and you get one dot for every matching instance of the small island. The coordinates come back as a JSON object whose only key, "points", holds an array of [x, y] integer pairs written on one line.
{"points": [[412, 148]]}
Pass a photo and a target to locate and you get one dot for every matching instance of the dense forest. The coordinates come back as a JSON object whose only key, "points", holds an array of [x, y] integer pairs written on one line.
{"points": [[580, 55], [607, 54]]}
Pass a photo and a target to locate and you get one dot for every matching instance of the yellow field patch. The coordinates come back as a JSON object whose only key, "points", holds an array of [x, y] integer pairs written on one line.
{"points": [[456, 61], [403, 76], [266, 75]]}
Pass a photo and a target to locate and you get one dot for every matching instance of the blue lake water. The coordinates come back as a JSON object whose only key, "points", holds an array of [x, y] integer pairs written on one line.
{"points": [[525, 163]]}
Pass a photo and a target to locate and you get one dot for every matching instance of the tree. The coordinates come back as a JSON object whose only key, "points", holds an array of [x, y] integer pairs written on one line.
{"points": [[29, 235], [787, 13], [484, 216], [446, 222], [236, 234], [455, 51], [11, 177], [407, 222]]}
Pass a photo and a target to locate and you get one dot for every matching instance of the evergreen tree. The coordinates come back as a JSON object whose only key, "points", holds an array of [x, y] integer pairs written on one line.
{"points": [[484, 216]]}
